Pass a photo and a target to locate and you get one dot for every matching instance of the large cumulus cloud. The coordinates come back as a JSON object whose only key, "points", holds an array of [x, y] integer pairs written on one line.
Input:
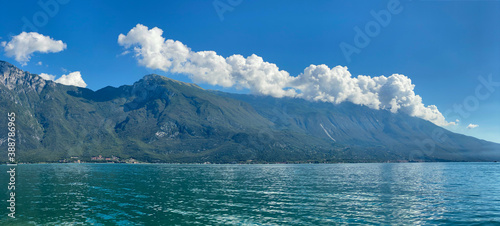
{"points": [[394, 93], [153, 51], [22, 46], [317, 83]]}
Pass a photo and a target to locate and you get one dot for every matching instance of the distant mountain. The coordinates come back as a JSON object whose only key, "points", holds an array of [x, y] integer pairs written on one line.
{"points": [[158, 119]]}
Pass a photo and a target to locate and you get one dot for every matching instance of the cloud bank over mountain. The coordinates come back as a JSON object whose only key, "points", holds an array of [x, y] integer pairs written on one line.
{"points": [[316, 83], [22, 46], [71, 79]]}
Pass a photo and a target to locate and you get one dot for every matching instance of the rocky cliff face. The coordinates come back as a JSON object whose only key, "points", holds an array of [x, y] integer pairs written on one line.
{"points": [[12, 77], [162, 120]]}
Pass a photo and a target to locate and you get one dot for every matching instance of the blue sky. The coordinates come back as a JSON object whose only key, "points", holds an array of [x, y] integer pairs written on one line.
{"points": [[442, 46]]}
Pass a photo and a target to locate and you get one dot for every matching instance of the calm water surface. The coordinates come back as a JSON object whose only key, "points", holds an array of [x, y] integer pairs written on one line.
{"points": [[119, 194]]}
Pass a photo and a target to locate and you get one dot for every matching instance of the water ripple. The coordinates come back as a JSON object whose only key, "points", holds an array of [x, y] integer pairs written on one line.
{"points": [[99, 194]]}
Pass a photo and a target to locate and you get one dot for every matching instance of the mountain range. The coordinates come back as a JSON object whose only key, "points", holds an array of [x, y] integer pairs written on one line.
{"points": [[158, 119]]}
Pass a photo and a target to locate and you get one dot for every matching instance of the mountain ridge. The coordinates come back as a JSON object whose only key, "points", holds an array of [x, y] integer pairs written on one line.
{"points": [[158, 119]]}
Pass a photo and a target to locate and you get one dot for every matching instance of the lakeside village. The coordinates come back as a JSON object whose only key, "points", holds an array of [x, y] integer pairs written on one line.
{"points": [[100, 159]]}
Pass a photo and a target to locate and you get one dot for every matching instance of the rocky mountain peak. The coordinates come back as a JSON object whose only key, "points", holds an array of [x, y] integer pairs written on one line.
{"points": [[13, 78]]}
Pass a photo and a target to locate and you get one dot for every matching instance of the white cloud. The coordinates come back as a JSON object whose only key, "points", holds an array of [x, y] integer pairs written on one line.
{"points": [[47, 76], [472, 126], [72, 79], [317, 82], [394, 93], [153, 51], [22, 46], [39, 63]]}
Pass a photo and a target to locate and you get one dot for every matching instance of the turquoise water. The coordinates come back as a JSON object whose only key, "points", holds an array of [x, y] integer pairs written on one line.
{"points": [[120, 194]]}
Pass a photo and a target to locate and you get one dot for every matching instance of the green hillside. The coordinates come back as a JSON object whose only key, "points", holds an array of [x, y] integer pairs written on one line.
{"points": [[158, 119]]}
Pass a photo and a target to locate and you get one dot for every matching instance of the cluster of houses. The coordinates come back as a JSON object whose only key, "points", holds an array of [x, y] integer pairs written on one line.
{"points": [[112, 159], [100, 158]]}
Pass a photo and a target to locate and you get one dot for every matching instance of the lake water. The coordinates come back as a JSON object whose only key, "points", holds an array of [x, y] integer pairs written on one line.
{"points": [[158, 194]]}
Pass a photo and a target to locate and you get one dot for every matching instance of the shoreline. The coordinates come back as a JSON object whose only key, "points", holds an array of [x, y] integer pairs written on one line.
{"points": [[329, 163]]}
